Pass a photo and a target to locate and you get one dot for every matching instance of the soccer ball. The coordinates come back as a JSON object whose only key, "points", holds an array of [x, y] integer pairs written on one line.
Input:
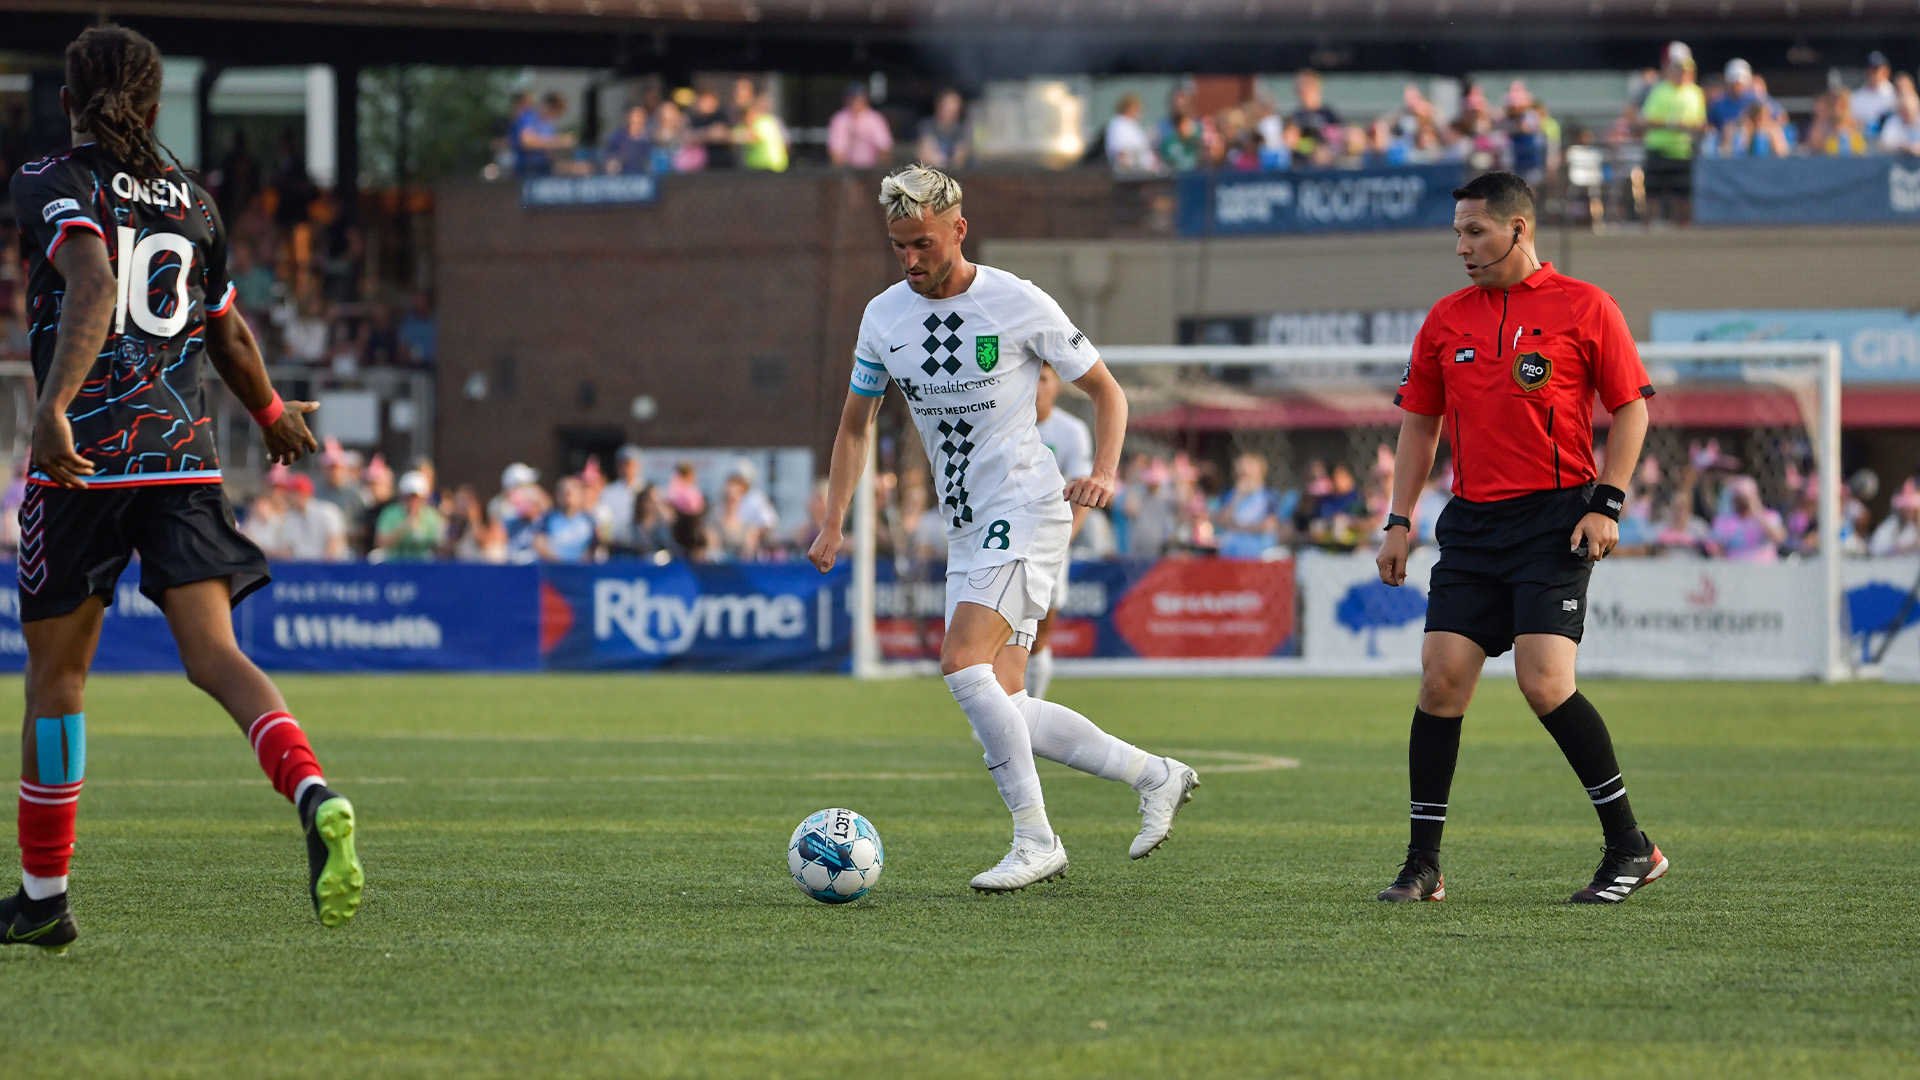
{"points": [[835, 856]]}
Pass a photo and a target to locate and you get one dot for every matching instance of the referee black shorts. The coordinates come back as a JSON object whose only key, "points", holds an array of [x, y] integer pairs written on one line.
{"points": [[1505, 569], [74, 544]]}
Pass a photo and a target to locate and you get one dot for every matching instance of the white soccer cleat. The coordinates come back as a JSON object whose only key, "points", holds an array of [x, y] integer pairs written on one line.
{"points": [[1158, 805], [1026, 864]]}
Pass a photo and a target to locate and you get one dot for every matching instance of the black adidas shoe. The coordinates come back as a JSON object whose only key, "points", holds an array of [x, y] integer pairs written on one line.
{"points": [[1420, 879], [47, 923], [1622, 873], [334, 878]]}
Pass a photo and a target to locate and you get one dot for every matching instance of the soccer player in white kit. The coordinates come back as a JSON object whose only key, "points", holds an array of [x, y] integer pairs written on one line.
{"points": [[965, 344], [1072, 444]]}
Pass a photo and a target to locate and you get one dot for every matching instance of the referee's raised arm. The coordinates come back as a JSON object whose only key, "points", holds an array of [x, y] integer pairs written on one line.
{"points": [[1510, 366]]}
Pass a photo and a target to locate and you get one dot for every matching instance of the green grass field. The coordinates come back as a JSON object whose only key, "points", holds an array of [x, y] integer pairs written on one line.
{"points": [[585, 876]]}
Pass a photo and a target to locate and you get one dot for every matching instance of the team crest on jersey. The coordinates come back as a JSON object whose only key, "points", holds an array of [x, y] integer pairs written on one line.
{"points": [[1531, 371], [986, 351]]}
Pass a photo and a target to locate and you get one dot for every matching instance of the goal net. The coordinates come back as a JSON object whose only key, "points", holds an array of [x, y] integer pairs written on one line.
{"points": [[1729, 563]]}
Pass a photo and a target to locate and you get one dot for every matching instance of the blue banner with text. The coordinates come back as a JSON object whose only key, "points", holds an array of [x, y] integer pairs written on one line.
{"points": [[696, 616], [1320, 200], [1806, 191]]}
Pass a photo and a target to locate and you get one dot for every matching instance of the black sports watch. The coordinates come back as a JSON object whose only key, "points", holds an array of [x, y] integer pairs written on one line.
{"points": [[1397, 519]]}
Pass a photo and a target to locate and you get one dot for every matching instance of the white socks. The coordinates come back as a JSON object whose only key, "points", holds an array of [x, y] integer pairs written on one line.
{"points": [[40, 888], [1002, 730], [1057, 733], [1039, 672]]}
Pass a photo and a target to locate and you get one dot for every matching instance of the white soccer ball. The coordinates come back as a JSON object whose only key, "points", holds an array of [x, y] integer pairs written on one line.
{"points": [[835, 856]]}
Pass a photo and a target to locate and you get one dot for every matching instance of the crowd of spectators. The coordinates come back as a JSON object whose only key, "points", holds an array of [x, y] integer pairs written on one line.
{"points": [[300, 268], [1668, 116], [352, 508], [686, 130], [690, 130], [302, 272], [1517, 132]]}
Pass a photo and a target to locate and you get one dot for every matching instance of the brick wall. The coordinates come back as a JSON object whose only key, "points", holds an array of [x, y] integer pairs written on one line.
{"points": [[733, 303]]}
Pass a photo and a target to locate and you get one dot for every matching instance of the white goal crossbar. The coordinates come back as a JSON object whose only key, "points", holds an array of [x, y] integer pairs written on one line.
{"points": [[1808, 365]]}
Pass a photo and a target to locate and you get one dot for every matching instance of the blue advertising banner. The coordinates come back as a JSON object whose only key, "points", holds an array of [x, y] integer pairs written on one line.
{"points": [[1806, 191], [1323, 200], [1877, 344], [394, 617], [335, 617], [133, 636], [696, 616], [618, 189]]}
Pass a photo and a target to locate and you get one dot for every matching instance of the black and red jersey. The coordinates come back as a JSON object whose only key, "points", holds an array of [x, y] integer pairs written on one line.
{"points": [[141, 418], [1514, 372]]}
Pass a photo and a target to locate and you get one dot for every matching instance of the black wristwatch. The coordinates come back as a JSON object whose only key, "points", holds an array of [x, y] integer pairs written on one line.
{"points": [[1397, 519]]}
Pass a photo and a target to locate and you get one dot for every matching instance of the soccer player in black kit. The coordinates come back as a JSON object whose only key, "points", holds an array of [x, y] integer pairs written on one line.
{"points": [[127, 294]]}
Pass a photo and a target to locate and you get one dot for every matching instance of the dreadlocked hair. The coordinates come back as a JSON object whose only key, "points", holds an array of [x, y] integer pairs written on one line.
{"points": [[113, 79]]}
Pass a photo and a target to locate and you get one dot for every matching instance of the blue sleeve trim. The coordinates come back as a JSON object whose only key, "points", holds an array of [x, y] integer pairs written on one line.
{"points": [[864, 362], [867, 393]]}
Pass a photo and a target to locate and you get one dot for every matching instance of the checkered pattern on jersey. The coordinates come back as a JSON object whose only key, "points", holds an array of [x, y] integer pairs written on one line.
{"points": [[935, 344], [958, 448]]}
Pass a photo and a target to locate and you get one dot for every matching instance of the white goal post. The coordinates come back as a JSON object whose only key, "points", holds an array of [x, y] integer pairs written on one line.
{"points": [[1810, 371]]}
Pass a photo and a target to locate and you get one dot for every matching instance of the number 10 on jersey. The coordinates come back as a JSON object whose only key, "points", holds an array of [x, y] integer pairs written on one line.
{"points": [[136, 259]]}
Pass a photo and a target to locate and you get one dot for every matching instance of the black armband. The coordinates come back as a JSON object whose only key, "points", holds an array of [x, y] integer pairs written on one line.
{"points": [[1397, 519], [1608, 501]]}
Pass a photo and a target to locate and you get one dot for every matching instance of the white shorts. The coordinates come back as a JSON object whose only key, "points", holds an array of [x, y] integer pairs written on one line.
{"points": [[1059, 598], [1012, 566]]}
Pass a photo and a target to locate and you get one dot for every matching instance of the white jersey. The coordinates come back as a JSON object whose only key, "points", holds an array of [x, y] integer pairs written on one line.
{"points": [[969, 367], [1071, 442]]}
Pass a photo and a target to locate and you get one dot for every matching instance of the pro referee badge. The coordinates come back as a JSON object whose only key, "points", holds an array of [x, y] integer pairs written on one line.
{"points": [[1463, 356], [1531, 370], [986, 351]]}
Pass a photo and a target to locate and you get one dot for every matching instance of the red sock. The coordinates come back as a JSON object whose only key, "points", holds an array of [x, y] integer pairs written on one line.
{"points": [[283, 751], [46, 827]]}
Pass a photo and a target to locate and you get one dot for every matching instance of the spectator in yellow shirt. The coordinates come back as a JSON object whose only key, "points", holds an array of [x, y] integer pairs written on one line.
{"points": [[1673, 116], [762, 137]]}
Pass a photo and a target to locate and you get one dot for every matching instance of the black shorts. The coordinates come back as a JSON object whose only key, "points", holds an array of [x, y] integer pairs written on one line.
{"points": [[1505, 569], [1669, 176], [74, 544]]}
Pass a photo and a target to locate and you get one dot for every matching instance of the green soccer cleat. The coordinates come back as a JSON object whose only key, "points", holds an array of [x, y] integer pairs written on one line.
{"points": [[46, 923], [333, 870]]}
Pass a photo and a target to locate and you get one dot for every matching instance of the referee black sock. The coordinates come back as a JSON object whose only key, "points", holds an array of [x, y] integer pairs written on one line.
{"points": [[1583, 738], [1432, 749]]}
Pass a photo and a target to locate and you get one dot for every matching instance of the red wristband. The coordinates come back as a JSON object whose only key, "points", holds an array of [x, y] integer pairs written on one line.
{"points": [[267, 415]]}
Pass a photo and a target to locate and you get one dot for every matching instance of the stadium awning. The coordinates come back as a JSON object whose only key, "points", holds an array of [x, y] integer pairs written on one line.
{"points": [[1688, 407]]}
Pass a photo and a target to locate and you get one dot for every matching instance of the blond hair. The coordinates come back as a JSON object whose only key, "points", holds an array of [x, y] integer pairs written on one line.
{"points": [[916, 190]]}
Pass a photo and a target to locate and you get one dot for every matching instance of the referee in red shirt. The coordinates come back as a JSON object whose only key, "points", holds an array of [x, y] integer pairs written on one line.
{"points": [[1512, 366]]}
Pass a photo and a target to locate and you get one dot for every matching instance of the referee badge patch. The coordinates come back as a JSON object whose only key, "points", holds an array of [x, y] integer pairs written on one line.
{"points": [[1531, 370], [1463, 356]]}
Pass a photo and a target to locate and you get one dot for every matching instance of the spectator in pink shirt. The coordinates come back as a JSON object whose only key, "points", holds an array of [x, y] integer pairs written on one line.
{"points": [[858, 136]]}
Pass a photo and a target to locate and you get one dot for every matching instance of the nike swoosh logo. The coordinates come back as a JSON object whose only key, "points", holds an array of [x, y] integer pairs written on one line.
{"points": [[13, 937], [897, 348]]}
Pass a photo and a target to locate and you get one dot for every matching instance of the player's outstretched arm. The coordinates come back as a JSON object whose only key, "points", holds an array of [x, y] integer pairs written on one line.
{"points": [[86, 314], [849, 461], [1629, 432], [1412, 460], [236, 356], [1109, 437]]}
